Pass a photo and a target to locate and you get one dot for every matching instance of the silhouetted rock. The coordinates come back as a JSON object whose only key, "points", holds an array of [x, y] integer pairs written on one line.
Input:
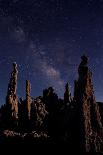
{"points": [[88, 120], [11, 115], [28, 98], [38, 113], [67, 95], [72, 121], [12, 98], [101, 110]]}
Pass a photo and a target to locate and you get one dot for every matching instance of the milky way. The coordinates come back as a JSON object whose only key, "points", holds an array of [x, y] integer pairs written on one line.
{"points": [[47, 38]]}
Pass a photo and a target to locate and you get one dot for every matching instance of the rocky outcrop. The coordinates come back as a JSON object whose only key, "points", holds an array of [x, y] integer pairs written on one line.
{"points": [[28, 98], [67, 95], [74, 121], [89, 128], [100, 104], [38, 113], [12, 99]]}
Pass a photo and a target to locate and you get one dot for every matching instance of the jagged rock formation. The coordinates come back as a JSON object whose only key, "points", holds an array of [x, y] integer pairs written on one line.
{"points": [[67, 95], [28, 98], [38, 113], [12, 99], [50, 100], [89, 129], [12, 90], [100, 104], [32, 112], [75, 121]]}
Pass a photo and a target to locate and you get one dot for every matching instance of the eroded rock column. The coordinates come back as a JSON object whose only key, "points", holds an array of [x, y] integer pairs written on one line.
{"points": [[12, 99], [28, 98], [87, 109]]}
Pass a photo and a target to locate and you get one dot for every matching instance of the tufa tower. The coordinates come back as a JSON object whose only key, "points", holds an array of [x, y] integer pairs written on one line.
{"points": [[89, 126], [12, 99]]}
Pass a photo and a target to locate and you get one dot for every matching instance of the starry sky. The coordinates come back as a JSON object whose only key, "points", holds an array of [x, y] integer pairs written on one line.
{"points": [[47, 38]]}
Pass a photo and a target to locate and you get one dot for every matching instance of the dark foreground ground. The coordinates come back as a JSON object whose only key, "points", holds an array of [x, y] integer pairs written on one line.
{"points": [[35, 143]]}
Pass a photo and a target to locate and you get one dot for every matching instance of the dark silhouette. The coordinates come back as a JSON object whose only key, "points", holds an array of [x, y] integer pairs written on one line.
{"points": [[75, 121]]}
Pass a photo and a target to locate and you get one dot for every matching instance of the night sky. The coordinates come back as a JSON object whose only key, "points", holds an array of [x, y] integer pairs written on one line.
{"points": [[47, 38]]}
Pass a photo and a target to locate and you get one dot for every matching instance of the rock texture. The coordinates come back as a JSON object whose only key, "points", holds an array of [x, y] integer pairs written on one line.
{"points": [[74, 121], [28, 98], [12, 99], [34, 134], [38, 113], [67, 95], [90, 129]]}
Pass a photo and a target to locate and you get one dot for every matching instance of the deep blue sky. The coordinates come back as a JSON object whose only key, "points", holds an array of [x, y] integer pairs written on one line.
{"points": [[47, 38]]}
